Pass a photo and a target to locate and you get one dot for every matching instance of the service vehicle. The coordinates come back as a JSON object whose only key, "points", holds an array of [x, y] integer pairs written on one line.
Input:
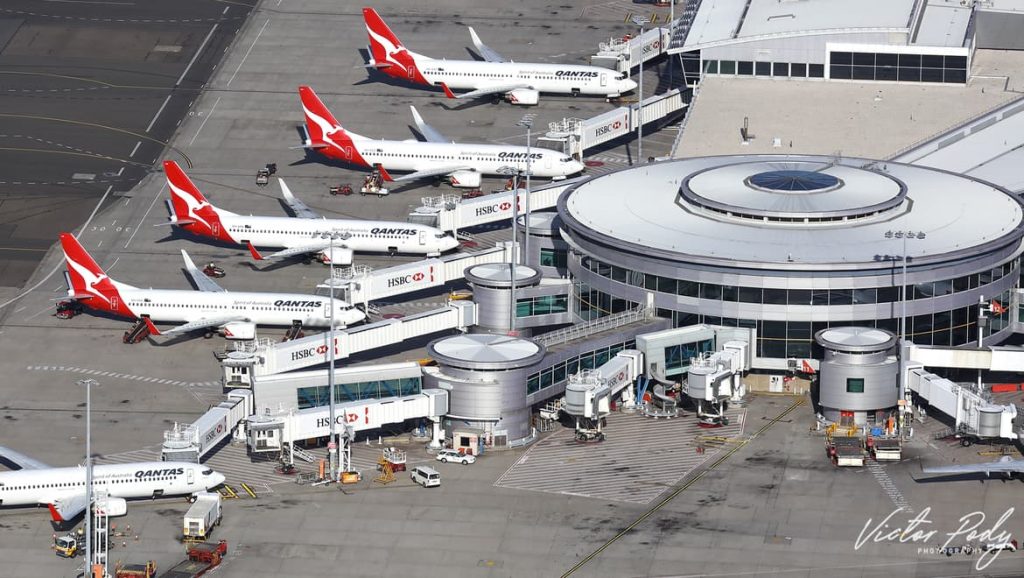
{"points": [[445, 456], [426, 476], [202, 517]]}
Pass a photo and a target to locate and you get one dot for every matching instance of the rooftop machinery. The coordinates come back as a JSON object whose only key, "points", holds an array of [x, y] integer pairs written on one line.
{"points": [[589, 393], [715, 378]]}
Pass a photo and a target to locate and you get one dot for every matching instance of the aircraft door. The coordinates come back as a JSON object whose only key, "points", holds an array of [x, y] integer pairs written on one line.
{"points": [[348, 152], [114, 302], [547, 162], [423, 237], [191, 473], [604, 80], [216, 229]]}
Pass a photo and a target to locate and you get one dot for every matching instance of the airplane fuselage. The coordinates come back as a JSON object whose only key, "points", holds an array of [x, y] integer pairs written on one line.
{"points": [[359, 236], [135, 480], [482, 158], [544, 78], [177, 306]]}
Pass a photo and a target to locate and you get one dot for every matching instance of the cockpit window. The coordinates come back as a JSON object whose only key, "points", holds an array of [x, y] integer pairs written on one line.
{"points": [[207, 472], [622, 76], [566, 159], [440, 235]]}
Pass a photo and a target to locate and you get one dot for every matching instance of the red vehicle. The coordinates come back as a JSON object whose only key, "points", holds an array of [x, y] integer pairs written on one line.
{"points": [[202, 558], [68, 308], [472, 194], [344, 190]]}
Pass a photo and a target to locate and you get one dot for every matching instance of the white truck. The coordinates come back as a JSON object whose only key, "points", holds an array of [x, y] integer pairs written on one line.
{"points": [[202, 516]]}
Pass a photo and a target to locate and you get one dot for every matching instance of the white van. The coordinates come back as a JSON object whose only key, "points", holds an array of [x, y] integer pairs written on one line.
{"points": [[426, 477]]}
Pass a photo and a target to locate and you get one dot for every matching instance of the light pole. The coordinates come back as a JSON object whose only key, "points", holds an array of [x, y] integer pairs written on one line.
{"points": [[88, 384], [332, 444], [527, 121], [982, 324], [640, 21], [904, 235]]}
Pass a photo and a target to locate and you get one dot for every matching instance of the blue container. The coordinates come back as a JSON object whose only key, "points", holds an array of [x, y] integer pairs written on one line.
{"points": [[876, 431]]}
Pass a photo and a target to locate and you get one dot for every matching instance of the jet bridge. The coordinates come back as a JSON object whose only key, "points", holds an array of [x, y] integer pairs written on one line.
{"points": [[362, 284], [715, 378], [589, 393], [624, 54], [265, 357], [974, 416], [452, 213], [574, 136], [191, 443]]}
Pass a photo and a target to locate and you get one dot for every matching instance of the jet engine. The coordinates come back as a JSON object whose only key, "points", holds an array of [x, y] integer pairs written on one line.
{"points": [[523, 96], [337, 255], [239, 330], [465, 179]]}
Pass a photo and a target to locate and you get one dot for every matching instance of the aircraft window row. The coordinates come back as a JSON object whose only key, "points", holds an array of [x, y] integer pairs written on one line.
{"points": [[479, 74], [278, 232], [73, 484]]}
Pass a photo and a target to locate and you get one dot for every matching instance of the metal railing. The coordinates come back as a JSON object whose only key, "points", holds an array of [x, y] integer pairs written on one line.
{"points": [[581, 330]]}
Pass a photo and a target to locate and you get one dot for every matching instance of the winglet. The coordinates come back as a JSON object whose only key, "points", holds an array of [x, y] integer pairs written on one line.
{"points": [[384, 173], [416, 118], [55, 514], [255, 254], [447, 91], [149, 325]]}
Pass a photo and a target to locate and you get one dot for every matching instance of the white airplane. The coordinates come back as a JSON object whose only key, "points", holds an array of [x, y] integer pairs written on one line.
{"points": [[519, 82], [63, 490], [235, 314], [462, 164], [305, 235], [1006, 466]]}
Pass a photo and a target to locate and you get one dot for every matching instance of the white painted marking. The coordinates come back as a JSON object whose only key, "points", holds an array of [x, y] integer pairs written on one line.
{"points": [[201, 125], [248, 51], [196, 55], [121, 170], [137, 145], [226, 11], [157, 197], [152, 122]]}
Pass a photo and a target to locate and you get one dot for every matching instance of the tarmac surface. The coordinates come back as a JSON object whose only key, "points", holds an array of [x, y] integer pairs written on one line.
{"points": [[90, 93], [765, 503]]}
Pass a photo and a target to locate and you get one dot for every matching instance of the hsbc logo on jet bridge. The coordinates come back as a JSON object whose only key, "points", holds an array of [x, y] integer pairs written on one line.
{"points": [[612, 126], [349, 416], [311, 352], [495, 208], [411, 278]]}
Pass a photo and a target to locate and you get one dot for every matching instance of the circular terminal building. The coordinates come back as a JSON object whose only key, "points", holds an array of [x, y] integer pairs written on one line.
{"points": [[792, 245]]}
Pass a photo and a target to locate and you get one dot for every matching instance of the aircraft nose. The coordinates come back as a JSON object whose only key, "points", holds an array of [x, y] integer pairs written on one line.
{"points": [[216, 479], [577, 167], [450, 243], [628, 85]]}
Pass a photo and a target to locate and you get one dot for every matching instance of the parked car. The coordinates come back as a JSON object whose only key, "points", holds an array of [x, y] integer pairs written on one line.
{"points": [[445, 456]]}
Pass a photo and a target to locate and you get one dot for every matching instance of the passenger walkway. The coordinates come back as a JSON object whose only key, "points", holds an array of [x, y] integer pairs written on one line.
{"points": [[640, 459]]}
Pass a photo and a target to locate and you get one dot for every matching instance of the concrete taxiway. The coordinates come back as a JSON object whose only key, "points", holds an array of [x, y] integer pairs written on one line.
{"points": [[765, 503]]}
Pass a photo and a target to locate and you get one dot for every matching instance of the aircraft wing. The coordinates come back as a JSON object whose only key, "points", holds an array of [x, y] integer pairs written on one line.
{"points": [[66, 505], [430, 133], [201, 323], [493, 89], [301, 209], [203, 282], [486, 51], [1004, 465], [426, 174], [292, 251], [21, 460]]}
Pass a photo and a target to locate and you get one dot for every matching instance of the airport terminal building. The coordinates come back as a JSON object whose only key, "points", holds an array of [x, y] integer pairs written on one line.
{"points": [[790, 245]]}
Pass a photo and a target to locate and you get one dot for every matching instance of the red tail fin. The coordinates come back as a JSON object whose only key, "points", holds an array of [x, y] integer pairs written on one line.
{"points": [[193, 211], [325, 132], [88, 281], [389, 55]]}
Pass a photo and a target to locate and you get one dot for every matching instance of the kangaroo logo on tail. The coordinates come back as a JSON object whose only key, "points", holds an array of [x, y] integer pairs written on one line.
{"points": [[325, 132], [192, 211], [389, 56], [88, 281]]}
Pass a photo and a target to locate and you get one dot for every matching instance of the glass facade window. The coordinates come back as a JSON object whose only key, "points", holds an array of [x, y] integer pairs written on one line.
{"points": [[816, 70], [763, 68], [711, 67], [677, 357], [727, 67], [854, 385], [560, 372], [319, 396], [889, 67], [780, 69], [797, 70], [542, 305], [554, 258], [744, 68]]}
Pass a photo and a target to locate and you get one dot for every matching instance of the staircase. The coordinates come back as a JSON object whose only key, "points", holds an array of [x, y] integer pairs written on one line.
{"points": [[304, 455]]}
